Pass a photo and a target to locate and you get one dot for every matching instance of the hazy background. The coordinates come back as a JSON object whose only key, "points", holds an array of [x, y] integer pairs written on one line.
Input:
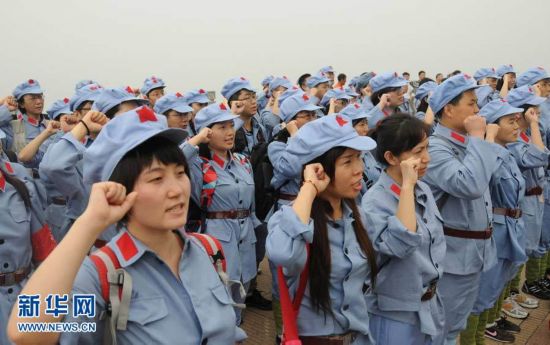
{"points": [[203, 43]]}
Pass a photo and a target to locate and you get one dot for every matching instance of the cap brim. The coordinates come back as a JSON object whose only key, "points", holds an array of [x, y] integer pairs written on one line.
{"points": [[308, 107], [360, 143], [176, 135], [183, 109], [200, 99], [535, 100]]}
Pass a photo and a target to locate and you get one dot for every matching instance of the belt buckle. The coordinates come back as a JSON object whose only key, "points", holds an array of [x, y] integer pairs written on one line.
{"points": [[516, 213], [9, 279]]}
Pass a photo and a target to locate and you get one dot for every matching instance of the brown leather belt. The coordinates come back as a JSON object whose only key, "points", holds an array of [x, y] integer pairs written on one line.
{"points": [[508, 212], [344, 339], [59, 201], [12, 278], [430, 293], [534, 191], [475, 235], [288, 197], [233, 214]]}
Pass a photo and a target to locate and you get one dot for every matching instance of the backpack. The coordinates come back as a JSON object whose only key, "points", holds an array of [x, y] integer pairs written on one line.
{"points": [[196, 216], [265, 196], [116, 283]]}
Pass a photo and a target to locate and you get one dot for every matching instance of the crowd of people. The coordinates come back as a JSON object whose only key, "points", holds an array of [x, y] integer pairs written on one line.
{"points": [[390, 211]]}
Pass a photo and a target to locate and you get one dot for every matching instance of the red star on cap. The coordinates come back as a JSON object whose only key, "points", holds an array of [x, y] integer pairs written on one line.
{"points": [[243, 78], [178, 95], [65, 100], [222, 106], [31, 81], [395, 74], [340, 120], [154, 80], [305, 97], [503, 100], [93, 88], [146, 114], [295, 88], [129, 89], [357, 106], [467, 76], [284, 77], [494, 70], [201, 91]]}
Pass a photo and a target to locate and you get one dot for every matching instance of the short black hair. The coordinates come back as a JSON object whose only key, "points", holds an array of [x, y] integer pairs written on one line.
{"points": [[419, 73], [341, 77], [406, 73], [303, 78], [398, 133], [158, 148], [375, 97]]}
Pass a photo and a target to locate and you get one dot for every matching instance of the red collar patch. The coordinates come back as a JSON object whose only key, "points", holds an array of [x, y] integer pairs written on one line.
{"points": [[305, 97], [201, 91], [65, 100], [127, 247], [178, 95], [218, 160], [2, 182], [395, 188], [356, 105], [458, 137], [9, 168], [32, 121], [31, 81], [524, 137], [146, 114], [222, 106]]}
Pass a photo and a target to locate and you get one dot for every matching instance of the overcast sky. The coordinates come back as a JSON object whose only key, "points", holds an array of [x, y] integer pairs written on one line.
{"points": [[194, 44]]}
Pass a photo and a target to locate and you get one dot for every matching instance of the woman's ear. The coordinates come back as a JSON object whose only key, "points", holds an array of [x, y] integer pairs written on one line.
{"points": [[391, 159]]}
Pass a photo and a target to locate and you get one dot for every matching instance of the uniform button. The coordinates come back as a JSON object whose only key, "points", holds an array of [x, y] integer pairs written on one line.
{"points": [[346, 251], [241, 242], [436, 265], [1, 241], [486, 203], [336, 225], [433, 240], [10, 290], [346, 307], [346, 278], [6, 265], [425, 220], [240, 202], [205, 341], [242, 222], [236, 181]]}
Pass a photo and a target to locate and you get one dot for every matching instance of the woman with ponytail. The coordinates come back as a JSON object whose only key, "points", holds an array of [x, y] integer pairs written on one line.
{"points": [[321, 236]]}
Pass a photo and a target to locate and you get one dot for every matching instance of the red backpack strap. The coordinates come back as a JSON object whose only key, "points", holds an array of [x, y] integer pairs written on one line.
{"points": [[290, 309], [209, 181], [105, 261], [213, 248]]}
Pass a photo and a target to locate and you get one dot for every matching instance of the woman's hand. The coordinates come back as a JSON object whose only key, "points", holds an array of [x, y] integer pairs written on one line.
{"points": [[108, 204], [315, 174]]}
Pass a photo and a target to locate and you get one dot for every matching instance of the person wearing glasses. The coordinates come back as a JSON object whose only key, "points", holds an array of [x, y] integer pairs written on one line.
{"points": [[241, 98]]}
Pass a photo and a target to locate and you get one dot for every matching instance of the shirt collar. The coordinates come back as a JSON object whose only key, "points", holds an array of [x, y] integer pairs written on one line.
{"points": [[6, 168], [29, 119], [454, 137]]}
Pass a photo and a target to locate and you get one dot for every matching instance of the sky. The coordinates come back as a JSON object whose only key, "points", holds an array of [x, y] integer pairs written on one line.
{"points": [[202, 44]]}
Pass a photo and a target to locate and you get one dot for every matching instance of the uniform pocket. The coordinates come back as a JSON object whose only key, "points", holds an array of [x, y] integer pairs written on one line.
{"points": [[18, 210], [221, 294], [146, 310]]}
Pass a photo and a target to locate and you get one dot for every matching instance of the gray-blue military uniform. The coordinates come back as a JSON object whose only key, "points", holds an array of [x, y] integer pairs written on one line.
{"points": [[507, 189], [25, 238], [194, 309], [410, 265], [350, 272], [532, 162], [459, 173]]}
